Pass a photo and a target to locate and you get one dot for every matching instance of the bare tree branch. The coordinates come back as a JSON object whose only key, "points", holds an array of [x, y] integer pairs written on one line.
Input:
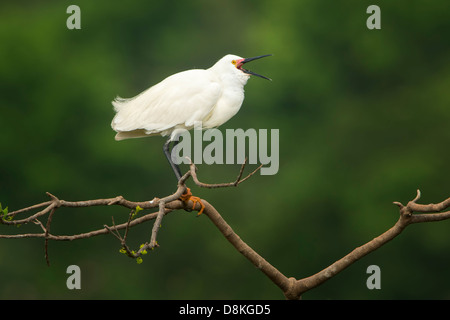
{"points": [[259, 262], [165, 205], [291, 287], [406, 218]]}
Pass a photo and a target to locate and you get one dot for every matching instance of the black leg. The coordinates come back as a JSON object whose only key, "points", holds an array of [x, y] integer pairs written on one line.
{"points": [[167, 152]]}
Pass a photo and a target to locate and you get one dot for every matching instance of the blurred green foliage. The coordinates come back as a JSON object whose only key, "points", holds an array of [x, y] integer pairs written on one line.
{"points": [[363, 116]]}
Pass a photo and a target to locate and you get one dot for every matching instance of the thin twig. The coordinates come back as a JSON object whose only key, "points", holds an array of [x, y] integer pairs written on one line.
{"points": [[222, 185], [47, 230]]}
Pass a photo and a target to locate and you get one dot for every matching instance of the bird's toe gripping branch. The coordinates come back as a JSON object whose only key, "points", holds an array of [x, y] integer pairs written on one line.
{"points": [[188, 196]]}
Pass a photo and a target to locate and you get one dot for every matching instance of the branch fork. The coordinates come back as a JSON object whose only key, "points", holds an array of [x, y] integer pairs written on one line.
{"points": [[291, 287], [164, 205]]}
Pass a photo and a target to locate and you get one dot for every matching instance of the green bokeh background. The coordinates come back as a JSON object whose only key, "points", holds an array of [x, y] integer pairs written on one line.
{"points": [[363, 117]]}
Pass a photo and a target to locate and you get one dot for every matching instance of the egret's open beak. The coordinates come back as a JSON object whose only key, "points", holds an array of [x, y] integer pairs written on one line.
{"points": [[241, 62]]}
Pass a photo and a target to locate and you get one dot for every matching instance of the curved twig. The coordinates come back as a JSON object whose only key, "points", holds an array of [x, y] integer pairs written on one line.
{"points": [[235, 183]]}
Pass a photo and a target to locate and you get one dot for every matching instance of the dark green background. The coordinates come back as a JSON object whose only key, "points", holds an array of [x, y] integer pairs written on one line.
{"points": [[363, 117]]}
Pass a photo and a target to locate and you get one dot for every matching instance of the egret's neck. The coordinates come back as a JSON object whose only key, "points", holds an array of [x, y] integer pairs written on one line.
{"points": [[231, 98], [235, 79]]}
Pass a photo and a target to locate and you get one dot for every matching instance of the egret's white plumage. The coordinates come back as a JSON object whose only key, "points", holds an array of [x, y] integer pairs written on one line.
{"points": [[211, 96], [179, 102]]}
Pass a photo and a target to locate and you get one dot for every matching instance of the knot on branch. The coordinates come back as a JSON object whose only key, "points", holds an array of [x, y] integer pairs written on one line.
{"points": [[115, 200], [405, 211], [293, 292], [55, 200]]}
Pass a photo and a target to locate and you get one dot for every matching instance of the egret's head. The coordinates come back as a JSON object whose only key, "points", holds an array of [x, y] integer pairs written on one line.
{"points": [[234, 65], [239, 62]]}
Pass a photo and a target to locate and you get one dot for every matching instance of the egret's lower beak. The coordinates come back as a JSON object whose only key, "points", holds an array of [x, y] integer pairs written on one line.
{"points": [[251, 72]]}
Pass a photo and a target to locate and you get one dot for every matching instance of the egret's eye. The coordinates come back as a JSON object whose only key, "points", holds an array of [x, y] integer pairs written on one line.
{"points": [[233, 62]]}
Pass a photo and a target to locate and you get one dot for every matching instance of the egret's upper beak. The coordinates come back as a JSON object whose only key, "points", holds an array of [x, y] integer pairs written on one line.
{"points": [[242, 61]]}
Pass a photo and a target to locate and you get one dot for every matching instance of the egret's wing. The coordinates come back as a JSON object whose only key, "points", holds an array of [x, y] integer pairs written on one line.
{"points": [[178, 101]]}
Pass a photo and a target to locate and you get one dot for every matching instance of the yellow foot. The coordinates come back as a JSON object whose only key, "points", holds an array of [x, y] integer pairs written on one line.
{"points": [[188, 196]]}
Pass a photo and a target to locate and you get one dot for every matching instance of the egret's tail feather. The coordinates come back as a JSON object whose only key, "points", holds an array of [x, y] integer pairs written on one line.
{"points": [[122, 135], [118, 102]]}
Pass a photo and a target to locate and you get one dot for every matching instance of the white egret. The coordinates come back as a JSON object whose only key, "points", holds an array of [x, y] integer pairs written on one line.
{"points": [[211, 96]]}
